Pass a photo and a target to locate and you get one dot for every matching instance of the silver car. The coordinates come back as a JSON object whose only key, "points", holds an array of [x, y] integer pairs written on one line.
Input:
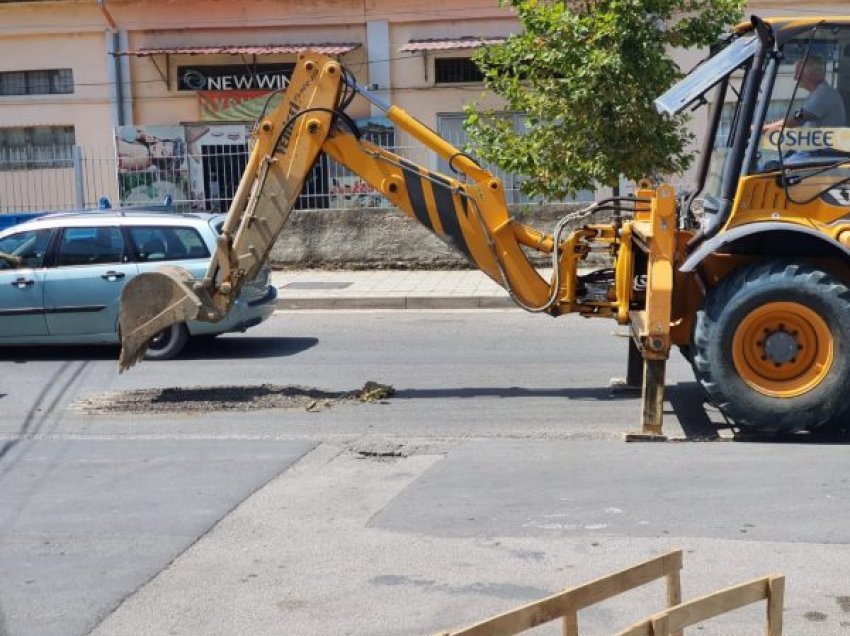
{"points": [[61, 276]]}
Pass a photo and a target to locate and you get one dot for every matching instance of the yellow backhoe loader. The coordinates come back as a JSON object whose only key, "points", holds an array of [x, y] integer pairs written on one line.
{"points": [[753, 288]]}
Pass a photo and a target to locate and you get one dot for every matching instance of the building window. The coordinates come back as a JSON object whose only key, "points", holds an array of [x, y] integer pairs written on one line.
{"points": [[58, 81], [456, 70], [34, 147]]}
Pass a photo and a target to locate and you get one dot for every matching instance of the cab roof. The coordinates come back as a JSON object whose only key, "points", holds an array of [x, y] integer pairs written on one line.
{"points": [[785, 28]]}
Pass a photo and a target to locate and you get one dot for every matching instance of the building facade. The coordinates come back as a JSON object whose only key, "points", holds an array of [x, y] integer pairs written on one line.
{"points": [[171, 89], [137, 100]]}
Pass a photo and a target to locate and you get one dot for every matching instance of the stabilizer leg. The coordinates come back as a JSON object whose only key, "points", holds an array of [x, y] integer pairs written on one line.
{"points": [[633, 383], [652, 404]]}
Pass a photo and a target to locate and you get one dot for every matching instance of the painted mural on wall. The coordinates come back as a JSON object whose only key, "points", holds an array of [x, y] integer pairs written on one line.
{"points": [[152, 164], [236, 106], [352, 192]]}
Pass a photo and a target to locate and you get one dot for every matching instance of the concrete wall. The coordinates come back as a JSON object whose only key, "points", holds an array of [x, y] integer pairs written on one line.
{"points": [[369, 238]]}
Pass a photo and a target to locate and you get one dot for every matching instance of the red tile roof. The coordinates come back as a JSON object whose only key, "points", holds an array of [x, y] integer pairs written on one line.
{"points": [[251, 49], [466, 42]]}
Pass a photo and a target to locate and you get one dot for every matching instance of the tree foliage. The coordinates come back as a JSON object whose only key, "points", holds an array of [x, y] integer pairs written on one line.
{"points": [[585, 73]]}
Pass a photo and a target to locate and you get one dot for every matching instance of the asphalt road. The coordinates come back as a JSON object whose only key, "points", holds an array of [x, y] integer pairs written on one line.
{"points": [[496, 474]]}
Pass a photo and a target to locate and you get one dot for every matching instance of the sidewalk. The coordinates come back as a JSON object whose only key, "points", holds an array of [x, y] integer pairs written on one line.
{"points": [[389, 289]]}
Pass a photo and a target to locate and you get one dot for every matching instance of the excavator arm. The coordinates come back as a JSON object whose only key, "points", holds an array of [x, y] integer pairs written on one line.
{"points": [[469, 212], [286, 144]]}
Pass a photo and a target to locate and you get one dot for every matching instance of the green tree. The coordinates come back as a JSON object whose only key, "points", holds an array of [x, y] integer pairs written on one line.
{"points": [[585, 73]]}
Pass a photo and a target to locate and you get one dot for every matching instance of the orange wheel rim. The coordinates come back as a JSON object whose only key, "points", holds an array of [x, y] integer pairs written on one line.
{"points": [[783, 349]]}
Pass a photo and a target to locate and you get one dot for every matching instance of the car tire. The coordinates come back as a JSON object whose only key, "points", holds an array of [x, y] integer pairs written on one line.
{"points": [[771, 347], [168, 343]]}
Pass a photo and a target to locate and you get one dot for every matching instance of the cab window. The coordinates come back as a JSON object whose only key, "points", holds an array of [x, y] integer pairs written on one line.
{"points": [[806, 123], [723, 138]]}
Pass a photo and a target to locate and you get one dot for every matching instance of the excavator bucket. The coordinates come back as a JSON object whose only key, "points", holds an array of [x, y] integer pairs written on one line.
{"points": [[152, 302]]}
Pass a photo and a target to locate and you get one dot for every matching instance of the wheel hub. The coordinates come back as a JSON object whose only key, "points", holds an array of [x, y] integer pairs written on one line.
{"points": [[781, 347]]}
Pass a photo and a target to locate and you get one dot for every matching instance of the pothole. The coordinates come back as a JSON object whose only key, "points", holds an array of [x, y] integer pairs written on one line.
{"points": [[228, 398]]}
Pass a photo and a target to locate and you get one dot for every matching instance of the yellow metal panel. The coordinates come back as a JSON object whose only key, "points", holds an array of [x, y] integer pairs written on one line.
{"points": [[660, 237]]}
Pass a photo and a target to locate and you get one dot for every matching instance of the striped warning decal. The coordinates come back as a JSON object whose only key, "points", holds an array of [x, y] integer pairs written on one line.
{"points": [[415, 191], [447, 212]]}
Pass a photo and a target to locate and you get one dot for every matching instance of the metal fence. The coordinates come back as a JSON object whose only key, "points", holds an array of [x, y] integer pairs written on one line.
{"points": [[37, 179], [80, 177]]}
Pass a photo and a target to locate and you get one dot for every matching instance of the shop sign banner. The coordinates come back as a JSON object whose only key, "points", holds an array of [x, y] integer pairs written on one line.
{"points": [[259, 77], [236, 105], [152, 164]]}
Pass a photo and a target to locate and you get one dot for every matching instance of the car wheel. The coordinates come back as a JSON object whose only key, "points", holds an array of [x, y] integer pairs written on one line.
{"points": [[772, 347], [168, 343]]}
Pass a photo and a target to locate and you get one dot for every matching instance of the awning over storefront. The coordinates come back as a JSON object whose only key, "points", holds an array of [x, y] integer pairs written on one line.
{"points": [[253, 49], [466, 42]]}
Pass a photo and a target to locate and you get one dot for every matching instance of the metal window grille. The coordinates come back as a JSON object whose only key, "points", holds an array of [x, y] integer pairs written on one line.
{"points": [[36, 147], [57, 81], [456, 70]]}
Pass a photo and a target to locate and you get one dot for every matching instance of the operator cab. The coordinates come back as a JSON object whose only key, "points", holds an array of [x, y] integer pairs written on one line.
{"points": [[779, 109]]}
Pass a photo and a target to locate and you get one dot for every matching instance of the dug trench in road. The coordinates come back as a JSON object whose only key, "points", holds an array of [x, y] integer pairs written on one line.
{"points": [[194, 400]]}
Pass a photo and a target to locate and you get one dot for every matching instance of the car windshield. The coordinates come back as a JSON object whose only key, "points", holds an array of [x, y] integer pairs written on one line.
{"points": [[706, 75], [217, 223]]}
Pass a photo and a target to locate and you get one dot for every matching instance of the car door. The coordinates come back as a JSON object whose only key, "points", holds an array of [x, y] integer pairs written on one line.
{"points": [[82, 292], [22, 285]]}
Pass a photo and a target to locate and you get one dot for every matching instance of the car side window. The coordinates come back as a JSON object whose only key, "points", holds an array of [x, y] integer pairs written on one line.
{"points": [[91, 246], [30, 247], [165, 243]]}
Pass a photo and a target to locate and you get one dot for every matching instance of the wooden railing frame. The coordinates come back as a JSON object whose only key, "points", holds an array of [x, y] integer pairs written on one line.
{"points": [[566, 604]]}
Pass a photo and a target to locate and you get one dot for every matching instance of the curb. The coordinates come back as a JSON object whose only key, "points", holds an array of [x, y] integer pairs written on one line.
{"points": [[400, 302]]}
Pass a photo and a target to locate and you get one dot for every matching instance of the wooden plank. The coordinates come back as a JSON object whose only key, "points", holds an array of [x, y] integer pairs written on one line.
{"points": [[711, 605], [708, 606], [674, 594], [775, 602], [574, 599], [570, 627]]}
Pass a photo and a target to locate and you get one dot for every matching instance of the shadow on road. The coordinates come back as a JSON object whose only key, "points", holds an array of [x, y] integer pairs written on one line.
{"points": [[688, 403], [701, 421], [33, 353], [234, 348], [245, 347], [570, 393]]}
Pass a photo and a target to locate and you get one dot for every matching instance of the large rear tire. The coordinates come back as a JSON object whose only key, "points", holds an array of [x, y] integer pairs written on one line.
{"points": [[772, 347]]}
